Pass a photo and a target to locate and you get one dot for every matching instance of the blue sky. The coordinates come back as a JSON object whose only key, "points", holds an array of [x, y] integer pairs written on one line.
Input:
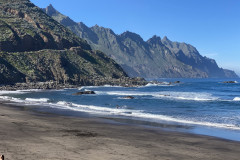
{"points": [[212, 26]]}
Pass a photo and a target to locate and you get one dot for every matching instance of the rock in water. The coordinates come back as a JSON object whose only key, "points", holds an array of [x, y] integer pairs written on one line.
{"points": [[84, 92], [128, 97], [229, 82]]}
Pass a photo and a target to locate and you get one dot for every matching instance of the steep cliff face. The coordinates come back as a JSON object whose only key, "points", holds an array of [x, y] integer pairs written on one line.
{"points": [[24, 27], [154, 58], [188, 54], [34, 47], [140, 58]]}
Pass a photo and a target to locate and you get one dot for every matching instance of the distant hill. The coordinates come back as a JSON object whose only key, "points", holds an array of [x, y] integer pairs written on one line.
{"points": [[154, 58], [34, 47]]}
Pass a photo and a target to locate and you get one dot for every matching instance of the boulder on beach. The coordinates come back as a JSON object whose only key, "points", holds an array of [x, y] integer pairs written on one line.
{"points": [[84, 92]]}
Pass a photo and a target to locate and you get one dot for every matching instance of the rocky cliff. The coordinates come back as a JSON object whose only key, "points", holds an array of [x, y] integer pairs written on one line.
{"points": [[34, 47], [189, 55], [154, 58], [24, 27]]}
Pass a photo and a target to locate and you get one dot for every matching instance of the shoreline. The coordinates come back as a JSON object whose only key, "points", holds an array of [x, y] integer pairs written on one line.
{"points": [[217, 132], [27, 134]]}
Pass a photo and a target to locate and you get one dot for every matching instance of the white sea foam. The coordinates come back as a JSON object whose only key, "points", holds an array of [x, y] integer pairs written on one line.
{"points": [[26, 101], [124, 111], [5, 97], [12, 92], [178, 120], [236, 99], [158, 84], [30, 90], [12, 99], [125, 93], [138, 114], [105, 86], [192, 96], [195, 96], [37, 100], [125, 98], [120, 111]]}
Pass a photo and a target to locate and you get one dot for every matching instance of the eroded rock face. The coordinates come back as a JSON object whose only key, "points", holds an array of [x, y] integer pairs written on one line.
{"points": [[189, 55], [24, 27]]}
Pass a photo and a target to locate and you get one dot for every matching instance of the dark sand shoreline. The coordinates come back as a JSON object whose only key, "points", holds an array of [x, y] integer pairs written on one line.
{"points": [[28, 135]]}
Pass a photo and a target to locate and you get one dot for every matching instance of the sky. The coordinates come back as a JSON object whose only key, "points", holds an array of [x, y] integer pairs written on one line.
{"points": [[212, 26]]}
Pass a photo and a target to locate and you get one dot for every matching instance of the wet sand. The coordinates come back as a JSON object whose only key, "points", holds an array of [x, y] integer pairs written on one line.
{"points": [[27, 135]]}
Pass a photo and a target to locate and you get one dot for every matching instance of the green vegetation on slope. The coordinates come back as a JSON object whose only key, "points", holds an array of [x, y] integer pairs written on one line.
{"points": [[36, 48], [24, 27], [64, 66]]}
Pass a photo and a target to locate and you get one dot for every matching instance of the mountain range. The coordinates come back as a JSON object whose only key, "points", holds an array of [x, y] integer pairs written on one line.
{"points": [[154, 58], [36, 48]]}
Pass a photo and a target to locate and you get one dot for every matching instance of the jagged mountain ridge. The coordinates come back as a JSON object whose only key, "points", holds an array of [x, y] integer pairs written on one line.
{"points": [[34, 47], [190, 55], [154, 58]]}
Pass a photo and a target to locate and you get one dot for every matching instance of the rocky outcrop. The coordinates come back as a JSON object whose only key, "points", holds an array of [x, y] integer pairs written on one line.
{"points": [[24, 27], [154, 58], [189, 55], [128, 97], [124, 81], [229, 82], [84, 92]]}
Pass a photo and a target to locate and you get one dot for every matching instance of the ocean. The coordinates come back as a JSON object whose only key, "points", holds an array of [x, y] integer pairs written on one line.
{"points": [[201, 106]]}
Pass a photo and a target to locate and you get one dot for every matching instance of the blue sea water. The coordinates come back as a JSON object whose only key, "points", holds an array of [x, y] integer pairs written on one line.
{"points": [[202, 106]]}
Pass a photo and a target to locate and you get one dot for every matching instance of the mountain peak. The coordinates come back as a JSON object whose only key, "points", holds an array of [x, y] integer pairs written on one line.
{"points": [[98, 28], [96, 25], [165, 38], [131, 35], [82, 24], [50, 10], [50, 6], [155, 40], [156, 37]]}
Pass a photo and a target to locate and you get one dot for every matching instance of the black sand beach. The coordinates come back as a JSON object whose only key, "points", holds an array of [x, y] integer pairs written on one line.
{"points": [[27, 135]]}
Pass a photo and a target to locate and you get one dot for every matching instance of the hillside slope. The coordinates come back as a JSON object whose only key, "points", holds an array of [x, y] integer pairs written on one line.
{"points": [[34, 47]]}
